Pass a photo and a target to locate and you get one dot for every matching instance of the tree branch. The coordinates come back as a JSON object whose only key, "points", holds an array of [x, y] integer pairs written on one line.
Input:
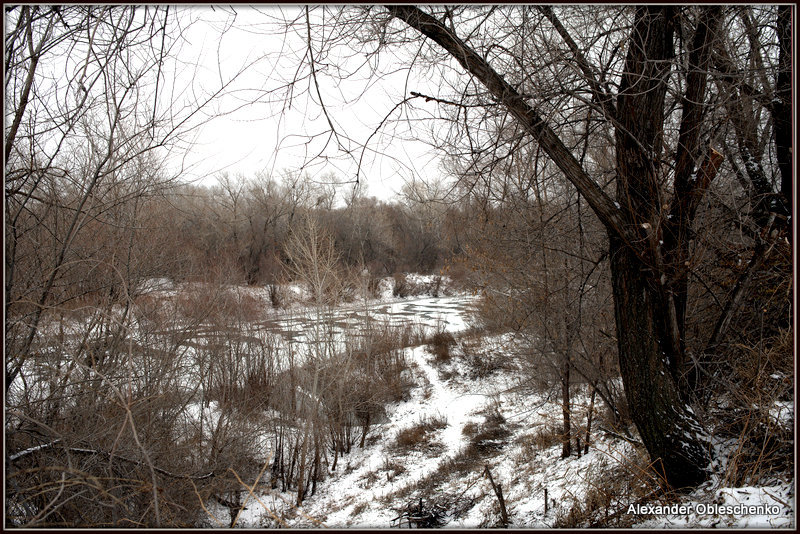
{"points": [[693, 104], [528, 117], [26, 91], [603, 98], [76, 450]]}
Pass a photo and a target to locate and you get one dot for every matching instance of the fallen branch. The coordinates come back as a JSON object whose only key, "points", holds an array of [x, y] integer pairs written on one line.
{"points": [[76, 450], [617, 435]]}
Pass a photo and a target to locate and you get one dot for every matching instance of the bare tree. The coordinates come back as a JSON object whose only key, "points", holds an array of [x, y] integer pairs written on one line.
{"points": [[541, 274]]}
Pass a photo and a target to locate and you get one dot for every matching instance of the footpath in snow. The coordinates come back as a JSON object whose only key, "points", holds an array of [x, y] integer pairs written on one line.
{"points": [[373, 485]]}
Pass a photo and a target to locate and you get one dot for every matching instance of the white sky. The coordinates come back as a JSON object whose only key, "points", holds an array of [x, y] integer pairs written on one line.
{"points": [[263, 134]]}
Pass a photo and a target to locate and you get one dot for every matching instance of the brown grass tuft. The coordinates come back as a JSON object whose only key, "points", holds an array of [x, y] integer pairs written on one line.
{"points": [[415, 436]]}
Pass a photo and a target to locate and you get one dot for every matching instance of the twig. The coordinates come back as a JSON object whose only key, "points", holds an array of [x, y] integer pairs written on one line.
{"points": [[620, 436], [202, 504]]}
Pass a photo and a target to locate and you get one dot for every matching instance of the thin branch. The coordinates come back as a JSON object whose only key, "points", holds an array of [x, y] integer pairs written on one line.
{"points": [[603, 98], [78, 450]]}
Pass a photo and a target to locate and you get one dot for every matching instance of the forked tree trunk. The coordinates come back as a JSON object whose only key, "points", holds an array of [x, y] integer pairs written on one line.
{"points": [[647, 318]]}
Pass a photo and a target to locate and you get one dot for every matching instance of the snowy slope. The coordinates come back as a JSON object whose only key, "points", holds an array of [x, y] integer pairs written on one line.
{"points": [[445, 471]]}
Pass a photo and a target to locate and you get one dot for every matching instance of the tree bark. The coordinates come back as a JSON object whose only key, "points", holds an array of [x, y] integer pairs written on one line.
{"points": [[566, 447], [782, 115], [669, 430], [690, 182]]}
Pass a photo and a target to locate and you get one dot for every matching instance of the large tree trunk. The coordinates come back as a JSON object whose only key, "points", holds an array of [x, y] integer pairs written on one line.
{"points": [[782, 115], [648, 321], [675, 441]]}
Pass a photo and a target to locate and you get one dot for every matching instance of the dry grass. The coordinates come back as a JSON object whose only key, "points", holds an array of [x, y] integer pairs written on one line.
{"points": [[543, 437], [763, 448], [205, 303], [486, 439], [610, 491], [414, 437], [359, 508], [760, 385], [470, 429], [392, 468], [429, 487], [481, 361], [489, 437], [440, 345]]}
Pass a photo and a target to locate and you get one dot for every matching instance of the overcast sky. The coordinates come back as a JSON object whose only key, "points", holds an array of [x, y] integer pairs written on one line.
{"points": [[261, 132]]}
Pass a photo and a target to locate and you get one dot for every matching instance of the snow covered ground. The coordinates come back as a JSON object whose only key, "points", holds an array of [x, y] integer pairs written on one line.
{"points": [[444, 474]]}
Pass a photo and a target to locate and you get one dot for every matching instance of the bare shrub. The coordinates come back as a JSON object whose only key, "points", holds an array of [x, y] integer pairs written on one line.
{"points": [[458, 274], [378, 375], [277, 295], [150, 312], [440, 345], [437, 286], [315, 261], [242, 369], [483, 362], [243, 307], [763, 449], [383, 337], [754, 413], [211, 302], [493, 318], [119, 449]]}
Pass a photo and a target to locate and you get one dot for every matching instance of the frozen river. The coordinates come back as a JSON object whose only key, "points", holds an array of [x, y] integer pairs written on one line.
{"points": [[428, 314]]}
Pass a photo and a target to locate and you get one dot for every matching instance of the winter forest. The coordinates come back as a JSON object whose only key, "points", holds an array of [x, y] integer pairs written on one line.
{"points": [[519, 266]]}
